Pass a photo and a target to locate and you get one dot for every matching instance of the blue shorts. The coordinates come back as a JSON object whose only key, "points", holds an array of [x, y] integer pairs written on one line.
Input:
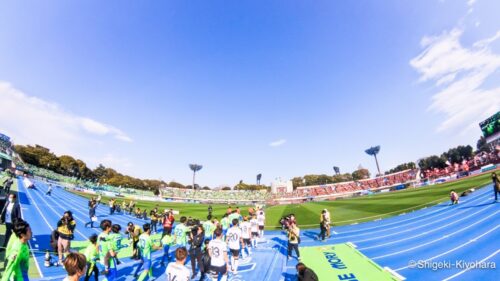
{"points": [[147, 265]]}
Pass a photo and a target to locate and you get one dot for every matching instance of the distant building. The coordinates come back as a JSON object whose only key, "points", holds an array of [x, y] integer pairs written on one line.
{"points": [[281, 186]]}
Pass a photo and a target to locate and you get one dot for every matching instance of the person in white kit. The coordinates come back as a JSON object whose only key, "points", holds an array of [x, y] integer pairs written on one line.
{"points": [[219, 262], [261, 219], [234, 240], [254, 228], [176, 271], [245, 235]]}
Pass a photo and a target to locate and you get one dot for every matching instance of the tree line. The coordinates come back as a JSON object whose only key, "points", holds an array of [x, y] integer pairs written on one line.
{"points": [[66, 165]]}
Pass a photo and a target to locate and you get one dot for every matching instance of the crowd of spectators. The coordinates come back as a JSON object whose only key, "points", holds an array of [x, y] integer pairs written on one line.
{"points": [[220, 195], [351, 186], [467, 165]]}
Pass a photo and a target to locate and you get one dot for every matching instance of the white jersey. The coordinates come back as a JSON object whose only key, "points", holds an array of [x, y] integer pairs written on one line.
{"points": [[217, 248], [261, 219], [233, 237], [177, 272], [254, 225], [245, 230]]}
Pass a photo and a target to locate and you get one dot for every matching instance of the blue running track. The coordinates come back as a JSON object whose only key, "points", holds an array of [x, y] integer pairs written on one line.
{"points": [[452, 237]]}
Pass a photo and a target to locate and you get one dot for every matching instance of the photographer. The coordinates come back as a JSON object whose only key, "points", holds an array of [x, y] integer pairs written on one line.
{"points": [[195, 242], [65, 228], [293, 240]]}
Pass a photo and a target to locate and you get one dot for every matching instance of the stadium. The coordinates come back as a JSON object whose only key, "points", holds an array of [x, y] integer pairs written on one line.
{"points": [[248, 142]]}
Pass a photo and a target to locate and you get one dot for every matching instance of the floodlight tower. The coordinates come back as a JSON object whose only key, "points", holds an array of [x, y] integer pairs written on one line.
{"points": [[195, 168]]}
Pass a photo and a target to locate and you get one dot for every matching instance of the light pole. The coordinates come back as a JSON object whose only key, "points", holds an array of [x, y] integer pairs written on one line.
{"points": [[195, 168], [373, 151]]}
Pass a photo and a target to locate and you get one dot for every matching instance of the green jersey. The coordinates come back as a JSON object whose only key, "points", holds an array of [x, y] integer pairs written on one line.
{"points": [[103, 244], [17, 262], [167, 240], [91, 253], [209, 228], [115, 241], [146, 246], [225, 223], [233, 216], [180, 232], [12, 241]]}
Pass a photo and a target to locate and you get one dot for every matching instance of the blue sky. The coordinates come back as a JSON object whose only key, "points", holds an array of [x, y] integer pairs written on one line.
{"points": [[280, 88]]}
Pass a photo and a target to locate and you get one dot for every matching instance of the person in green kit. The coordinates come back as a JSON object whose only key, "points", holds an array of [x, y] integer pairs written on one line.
{"points": [[105, 251], [166, 242], [12, 241], [209, 228], [115, 239], [146, 245], [180, 233], [234, 215], [225, 225], [91, 254], [18, 255]]}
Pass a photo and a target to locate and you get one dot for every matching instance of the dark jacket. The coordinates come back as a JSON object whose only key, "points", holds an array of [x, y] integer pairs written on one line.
{"points": [[7, 184], [16, 212], [196, 243], [496, 183], [205, 262], [308, 275]]}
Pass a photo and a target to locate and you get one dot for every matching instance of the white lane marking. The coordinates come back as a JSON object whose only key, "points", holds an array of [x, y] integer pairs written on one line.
{"points": [[435, 240], [397, 227], [58, 214], [465, 270], [456, 248], [418, 235], [398, 223], [29, 242]]}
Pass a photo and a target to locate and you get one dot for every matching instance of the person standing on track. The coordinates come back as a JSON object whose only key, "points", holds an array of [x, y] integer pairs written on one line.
{"points": [[254, 227], [209, 228], [261, 220], [91, 255], [293, 240], [496, 185], [327, 222], [180, 233], [234, 241], [219, 261], [106, 252], [65, 228], [225, 224], [7, 184], [146, 245], [49, 190], [246, 236], [134, 231], [195, 243], [11, 212], [92, 216], [168, 222]]}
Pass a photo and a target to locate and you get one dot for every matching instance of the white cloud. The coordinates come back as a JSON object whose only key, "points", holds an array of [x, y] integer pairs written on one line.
{"points": [[460, 73], [31, 120], [471, 2], [278, 143]]}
